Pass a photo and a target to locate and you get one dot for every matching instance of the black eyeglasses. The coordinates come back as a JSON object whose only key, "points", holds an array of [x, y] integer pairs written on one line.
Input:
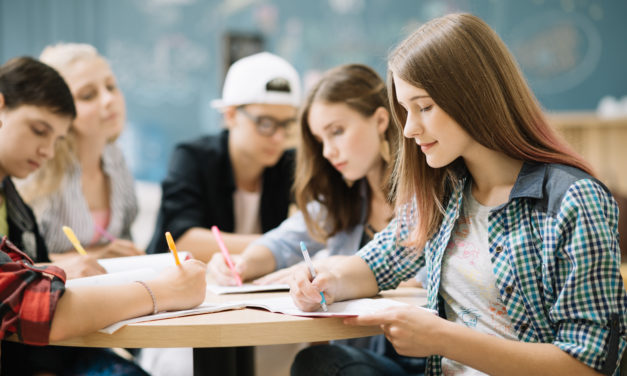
{"points": [[267, 125]]}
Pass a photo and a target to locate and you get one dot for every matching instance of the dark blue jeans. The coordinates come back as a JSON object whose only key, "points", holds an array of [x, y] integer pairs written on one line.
{"points": [[340, 360], [23, 360]]}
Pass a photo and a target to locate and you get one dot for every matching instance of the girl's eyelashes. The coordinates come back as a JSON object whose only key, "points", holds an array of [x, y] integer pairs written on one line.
{"points": [[87, 95], [337, 131], [426, 108]]}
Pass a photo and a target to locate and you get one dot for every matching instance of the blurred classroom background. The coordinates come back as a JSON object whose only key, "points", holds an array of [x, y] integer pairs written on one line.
{"points": [[170, 57]]}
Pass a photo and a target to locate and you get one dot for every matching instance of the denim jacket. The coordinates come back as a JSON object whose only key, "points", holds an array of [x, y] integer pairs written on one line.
{"points": [[284, 240]]}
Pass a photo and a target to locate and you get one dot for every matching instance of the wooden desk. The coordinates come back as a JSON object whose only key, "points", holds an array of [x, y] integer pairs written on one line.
{"points": [[244, 327], [235, 331]]}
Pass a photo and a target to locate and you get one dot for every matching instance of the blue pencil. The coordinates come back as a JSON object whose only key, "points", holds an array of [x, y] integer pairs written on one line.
{"points": [[303, 248]]}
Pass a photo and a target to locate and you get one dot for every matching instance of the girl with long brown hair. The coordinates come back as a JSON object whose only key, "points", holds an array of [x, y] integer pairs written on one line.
{"points": [[340, 178], [520, 241], [341, 185]]}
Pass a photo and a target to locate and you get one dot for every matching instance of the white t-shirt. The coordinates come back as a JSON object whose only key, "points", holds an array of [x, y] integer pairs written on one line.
{"points": [[468, 284], [246, 210]]}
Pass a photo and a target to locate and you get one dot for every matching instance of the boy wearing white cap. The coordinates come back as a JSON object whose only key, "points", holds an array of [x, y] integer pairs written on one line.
{"points": [[239, 180]]}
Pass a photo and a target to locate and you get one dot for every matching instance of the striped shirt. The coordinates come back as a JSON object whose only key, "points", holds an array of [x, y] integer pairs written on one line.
{"points": [[68, 207], [555, 256]]}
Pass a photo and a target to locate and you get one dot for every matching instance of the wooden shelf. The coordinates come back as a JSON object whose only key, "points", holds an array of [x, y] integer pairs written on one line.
{"points": [[601, 141]]}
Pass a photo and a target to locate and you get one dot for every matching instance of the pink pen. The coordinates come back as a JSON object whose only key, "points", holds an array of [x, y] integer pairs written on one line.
{"points": [[225, 253], [104, 233]]}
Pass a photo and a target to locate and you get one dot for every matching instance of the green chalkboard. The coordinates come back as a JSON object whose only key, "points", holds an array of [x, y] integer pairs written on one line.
{"points": [[169, 55]]}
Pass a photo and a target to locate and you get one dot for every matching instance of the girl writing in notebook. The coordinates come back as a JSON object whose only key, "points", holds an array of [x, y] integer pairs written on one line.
{"points": [[36, 111], [87, 185], [342, 171], [520, 241], [340, 180]]}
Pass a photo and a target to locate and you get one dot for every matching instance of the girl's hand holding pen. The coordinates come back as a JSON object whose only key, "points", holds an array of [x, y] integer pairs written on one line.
{"points": [[222, 274], [180, 287], [306, 293]]}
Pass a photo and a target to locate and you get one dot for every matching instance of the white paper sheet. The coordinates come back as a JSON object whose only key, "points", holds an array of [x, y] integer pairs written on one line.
{"points": [[348, 308], [112, 279], [246, 288], [157, 262], [203, 308]]}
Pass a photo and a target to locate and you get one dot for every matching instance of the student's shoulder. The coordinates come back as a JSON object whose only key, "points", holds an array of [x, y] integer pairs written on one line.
{"points": [[288, 160], [205, 146], [562, 181], [560, 178]]}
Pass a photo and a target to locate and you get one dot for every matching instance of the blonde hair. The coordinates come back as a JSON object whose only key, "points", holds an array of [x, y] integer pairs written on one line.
{"points": [[470, 74], [47, 179], [62, 55]]}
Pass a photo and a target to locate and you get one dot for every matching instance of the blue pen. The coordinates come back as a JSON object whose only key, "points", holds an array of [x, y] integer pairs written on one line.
{"points": [[303, 248]]}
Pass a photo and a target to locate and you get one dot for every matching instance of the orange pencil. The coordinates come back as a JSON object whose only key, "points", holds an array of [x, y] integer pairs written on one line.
{"points": [[172, 247]]}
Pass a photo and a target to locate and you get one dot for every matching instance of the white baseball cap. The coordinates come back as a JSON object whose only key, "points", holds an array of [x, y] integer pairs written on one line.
{"points": [[260, 78]]}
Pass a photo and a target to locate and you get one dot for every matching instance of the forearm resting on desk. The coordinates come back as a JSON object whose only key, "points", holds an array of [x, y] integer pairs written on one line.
{"points": [[497, 356], [201, 243], [257, 261], [82, 310], [355, 279]]}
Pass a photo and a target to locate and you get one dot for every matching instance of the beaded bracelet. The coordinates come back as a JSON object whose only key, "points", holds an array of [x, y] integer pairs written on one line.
{"points": [[152, 296]]}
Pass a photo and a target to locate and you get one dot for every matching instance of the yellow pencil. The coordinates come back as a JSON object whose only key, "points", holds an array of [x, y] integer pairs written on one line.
{"points": [[172, 247], [74, 240]]}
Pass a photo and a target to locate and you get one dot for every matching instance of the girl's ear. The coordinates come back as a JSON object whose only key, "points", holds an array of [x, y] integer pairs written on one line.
{"points": [[1, 106], [382, 117]]}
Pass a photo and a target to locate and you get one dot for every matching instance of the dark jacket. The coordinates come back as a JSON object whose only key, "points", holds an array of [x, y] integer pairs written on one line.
{"points": [[198, 190], [23, 229]]}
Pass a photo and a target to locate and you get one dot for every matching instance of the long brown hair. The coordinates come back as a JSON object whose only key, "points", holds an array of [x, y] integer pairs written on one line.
{"points": [[468, 72], [363, 90]]}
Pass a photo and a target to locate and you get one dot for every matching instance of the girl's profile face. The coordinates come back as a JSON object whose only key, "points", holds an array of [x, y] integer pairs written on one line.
{"points": [[100, 107], [439, 137], [350, 141], [27, 138]]}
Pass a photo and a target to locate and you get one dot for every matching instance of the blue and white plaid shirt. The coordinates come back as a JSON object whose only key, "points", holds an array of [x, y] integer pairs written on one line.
{"points": [[555, 255]]}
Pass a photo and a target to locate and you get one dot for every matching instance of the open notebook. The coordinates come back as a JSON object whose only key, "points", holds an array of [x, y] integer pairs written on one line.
{"points": [[246, 288], [283, 305], [122, 270]]}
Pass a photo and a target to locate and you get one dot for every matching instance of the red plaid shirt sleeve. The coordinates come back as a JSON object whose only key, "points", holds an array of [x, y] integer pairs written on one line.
{"points": [[28, 295]]}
